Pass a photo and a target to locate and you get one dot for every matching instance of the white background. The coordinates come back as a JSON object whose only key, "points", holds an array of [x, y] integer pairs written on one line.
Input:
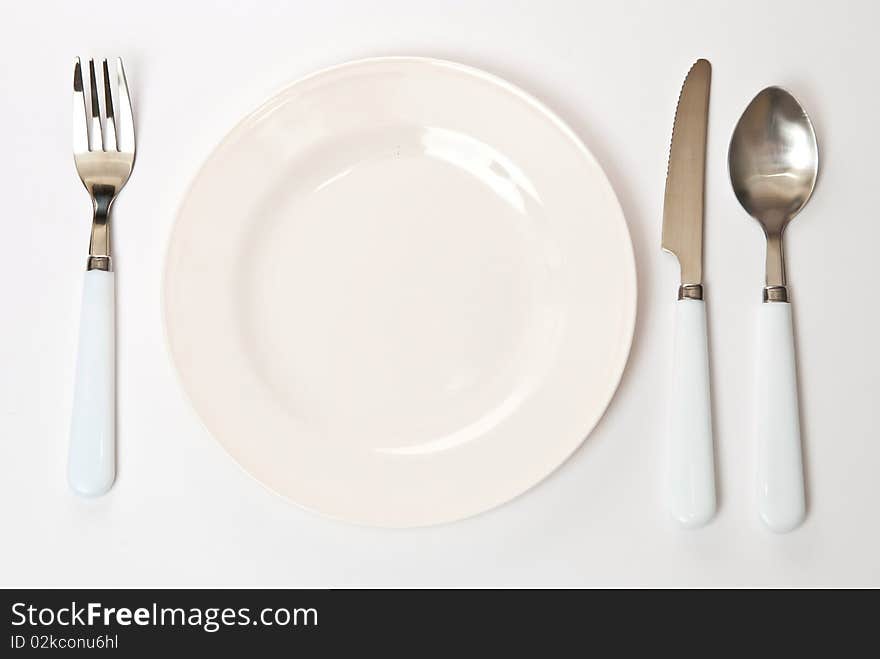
{"points": [[183, 513]]}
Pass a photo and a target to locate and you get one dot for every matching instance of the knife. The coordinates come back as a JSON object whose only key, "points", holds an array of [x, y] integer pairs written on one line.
{"points": [[690, 462]]}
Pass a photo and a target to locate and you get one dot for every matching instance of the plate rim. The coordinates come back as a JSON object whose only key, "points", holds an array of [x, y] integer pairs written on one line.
{"points": [[273, 99]]}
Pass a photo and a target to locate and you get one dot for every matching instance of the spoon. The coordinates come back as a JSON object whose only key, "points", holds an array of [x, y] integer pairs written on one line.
{"points": [[773, 162]]}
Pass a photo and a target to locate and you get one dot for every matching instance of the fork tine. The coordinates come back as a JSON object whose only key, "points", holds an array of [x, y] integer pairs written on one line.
{"points": [[80, 111], [96, 136], [109, 120], [125, 125]]}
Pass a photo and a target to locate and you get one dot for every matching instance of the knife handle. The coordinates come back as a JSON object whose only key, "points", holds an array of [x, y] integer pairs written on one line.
{"points": [[781, 499], [690, 470], [91, 465]]}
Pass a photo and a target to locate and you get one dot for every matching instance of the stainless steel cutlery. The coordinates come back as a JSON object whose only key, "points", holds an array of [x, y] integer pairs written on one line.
{"points": [[103, 150], [773, 162], [690, 465]]}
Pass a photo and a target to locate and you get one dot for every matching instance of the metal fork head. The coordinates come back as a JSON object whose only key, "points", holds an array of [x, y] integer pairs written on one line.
{"points": [[103, 137]]}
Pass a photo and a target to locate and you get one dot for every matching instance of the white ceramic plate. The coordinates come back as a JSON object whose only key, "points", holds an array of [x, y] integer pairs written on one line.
{"points": [[401, 292]]}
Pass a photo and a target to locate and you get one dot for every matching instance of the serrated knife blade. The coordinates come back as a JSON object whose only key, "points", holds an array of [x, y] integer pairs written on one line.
{"points": [[683, 203]]}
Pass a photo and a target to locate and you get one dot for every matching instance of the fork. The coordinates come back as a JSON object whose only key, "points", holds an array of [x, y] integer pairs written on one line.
{"points": [[103, 150]]}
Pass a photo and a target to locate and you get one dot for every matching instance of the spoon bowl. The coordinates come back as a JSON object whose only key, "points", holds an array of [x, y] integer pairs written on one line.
{"points": [[773, 162]]}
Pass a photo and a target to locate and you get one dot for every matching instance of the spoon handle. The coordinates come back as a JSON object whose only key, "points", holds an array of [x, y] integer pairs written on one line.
{"points": [[781, 500], [690, 462]]}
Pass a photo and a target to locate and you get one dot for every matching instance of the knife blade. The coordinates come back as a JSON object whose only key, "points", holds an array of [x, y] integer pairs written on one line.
{"points": [[682, 233], [690, 464]]}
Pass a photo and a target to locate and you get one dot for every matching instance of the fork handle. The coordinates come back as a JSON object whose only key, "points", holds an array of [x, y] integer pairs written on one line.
{"points": [[92, 458]]}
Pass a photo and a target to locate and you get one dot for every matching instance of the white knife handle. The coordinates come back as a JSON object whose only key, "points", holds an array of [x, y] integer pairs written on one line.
{"points": [[92, 458], [781, 500], [690, 468]]}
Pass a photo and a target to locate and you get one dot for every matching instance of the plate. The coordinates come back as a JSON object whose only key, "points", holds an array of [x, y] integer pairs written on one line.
{"points": [[400, 293]]}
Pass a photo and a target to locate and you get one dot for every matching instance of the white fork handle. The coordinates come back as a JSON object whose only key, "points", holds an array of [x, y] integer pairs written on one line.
{"points": [[690, 470], [781, 500], [92, 459]]}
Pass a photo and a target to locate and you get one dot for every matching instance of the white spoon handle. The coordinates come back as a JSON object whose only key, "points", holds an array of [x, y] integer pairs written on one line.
{"points": [[781, 500], [92, 458], [690, 471]]}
